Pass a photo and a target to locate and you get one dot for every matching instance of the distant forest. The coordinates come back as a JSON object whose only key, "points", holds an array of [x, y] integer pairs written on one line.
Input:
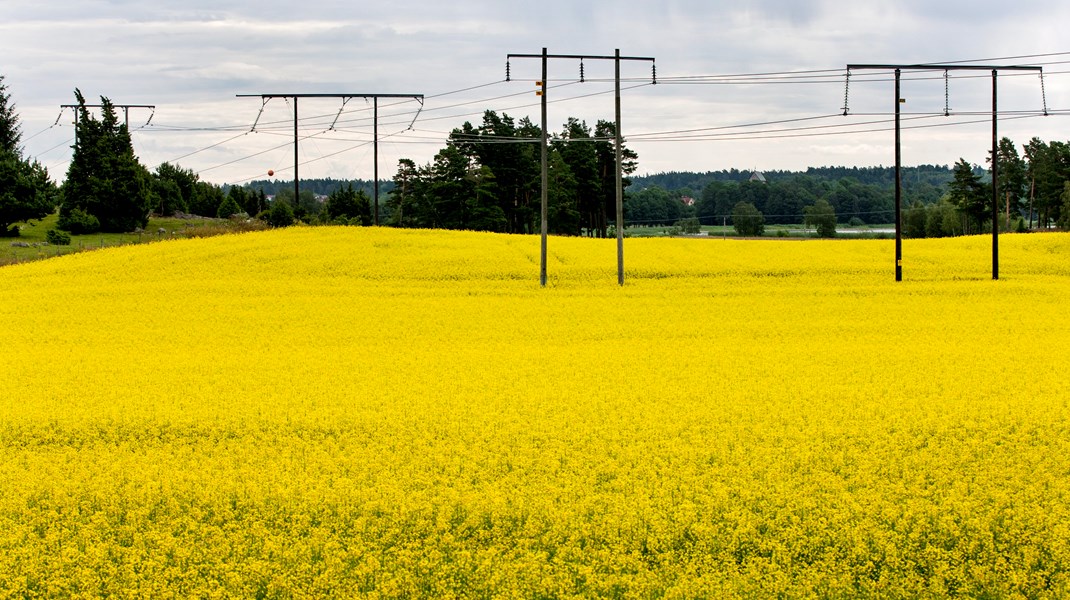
{"points": [[320, 187], [864, 193], [917, 180]]}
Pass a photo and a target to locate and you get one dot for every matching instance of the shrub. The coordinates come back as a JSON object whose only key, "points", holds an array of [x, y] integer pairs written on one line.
{"points": [[822, 217], [228, 208], [58, 237], [856, 222], [689, 226], [280, 214], [747, 219], [77, 221]]}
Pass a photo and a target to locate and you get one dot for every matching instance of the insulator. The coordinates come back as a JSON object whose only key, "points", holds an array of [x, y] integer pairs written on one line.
{"points": [[947, 93], [653, 74], [846, 91], [507, 70], [1043, 94], [581, 70]]}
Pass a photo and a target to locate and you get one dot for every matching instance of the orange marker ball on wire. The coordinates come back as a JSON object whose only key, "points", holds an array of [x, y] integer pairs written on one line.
{"points": [[270, 172]]}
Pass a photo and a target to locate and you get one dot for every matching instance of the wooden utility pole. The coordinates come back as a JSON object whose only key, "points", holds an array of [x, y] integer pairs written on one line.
{"points": [[616, 58]]}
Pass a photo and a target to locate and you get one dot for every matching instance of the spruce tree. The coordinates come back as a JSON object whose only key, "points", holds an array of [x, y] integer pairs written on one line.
{"points": [[9, 123]]}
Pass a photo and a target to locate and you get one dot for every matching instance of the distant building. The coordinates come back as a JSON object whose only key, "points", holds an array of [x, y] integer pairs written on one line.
{"points": [[757, 176], [687, 200]]}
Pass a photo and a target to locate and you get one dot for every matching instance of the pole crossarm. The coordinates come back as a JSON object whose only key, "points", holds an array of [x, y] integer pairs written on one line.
{"points": [[618, 142], [582, 56], [938, 67], [126, 108], [344, 97], [330, 95], [149, 106]]}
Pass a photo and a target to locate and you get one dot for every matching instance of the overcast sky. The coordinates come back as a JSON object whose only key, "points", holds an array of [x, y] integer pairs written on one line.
{"points": [[190, 59]]}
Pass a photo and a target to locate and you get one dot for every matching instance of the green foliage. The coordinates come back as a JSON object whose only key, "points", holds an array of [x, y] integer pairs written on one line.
{"points": [[401, 202], [255, 202], [747, 219], [1047, 172], [280, 214], [515, 168], [562, 197], [1012, 178], [690, 226], [206, 199], [105, 179], [9, 123], [26, 192], [234, 203], [915, 219], [229, 207], [484, 212], [941, 220], [58, 237], [479, 181], [170, 179], [822, 217], [967, 193], [354, 207], [782, 201], [306, 208], [856, 222], [167, 197], [77, 222], [652, 206], [1064, 218]]}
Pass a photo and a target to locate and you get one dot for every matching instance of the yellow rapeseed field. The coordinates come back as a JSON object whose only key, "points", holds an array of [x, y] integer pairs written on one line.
{"points": [[348, 412]]}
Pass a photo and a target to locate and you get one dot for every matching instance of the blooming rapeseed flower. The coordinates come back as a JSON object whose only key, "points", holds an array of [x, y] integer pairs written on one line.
{"points": [[385, 413]]}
